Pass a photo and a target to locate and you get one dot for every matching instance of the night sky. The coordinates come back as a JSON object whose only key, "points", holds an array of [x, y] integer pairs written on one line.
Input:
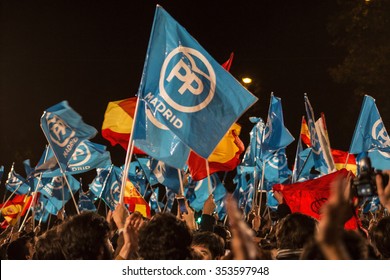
{"points": [[92, 52]]}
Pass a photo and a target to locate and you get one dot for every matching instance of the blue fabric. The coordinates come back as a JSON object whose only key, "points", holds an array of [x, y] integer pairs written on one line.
{"points": [[64, 130], [276, 135], [318, 154], [57, 191], [370, 132], [157, 140], [185, 88], [17, 183], [86, 156]]}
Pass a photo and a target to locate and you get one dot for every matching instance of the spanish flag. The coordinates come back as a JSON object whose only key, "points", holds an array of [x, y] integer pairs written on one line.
{"points": [[135, 201], [225, 157], [305, 134], [118, 121], [17, 207]]}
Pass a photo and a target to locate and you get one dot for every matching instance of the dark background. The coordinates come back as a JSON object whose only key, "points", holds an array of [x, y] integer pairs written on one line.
{"points": [[92, 52]]}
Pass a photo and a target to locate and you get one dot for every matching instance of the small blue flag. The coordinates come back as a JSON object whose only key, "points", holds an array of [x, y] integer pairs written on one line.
{"points": [[57, 191], [64, 130], [165, 175], [370, 132], [41, 214], [252, 152], [98, 184], [85, 202], [185, 88], [112, 189], [276, 135], [319, 159], [17, 183], [87, 156], [276, 170]]}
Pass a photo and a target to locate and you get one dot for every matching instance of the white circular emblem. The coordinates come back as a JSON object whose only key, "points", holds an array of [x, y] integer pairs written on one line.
{"points": [[188, 73]]}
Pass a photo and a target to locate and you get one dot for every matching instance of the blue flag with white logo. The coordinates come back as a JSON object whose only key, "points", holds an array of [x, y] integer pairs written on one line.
{"points": [[16, 183], [165, 175], [41, 213], [276, 135], [319, 159], [65, 130], [370, 132], [57, 190], [201, 190], [276, 170], [99, 183], [112, 189], [187, 90], [86, 202], [137, 176], [156, 140], [86, 156]]}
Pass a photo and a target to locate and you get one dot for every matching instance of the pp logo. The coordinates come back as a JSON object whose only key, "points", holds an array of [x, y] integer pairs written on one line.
{"points": [[60, 133], [159, 171], [80, 156], [278, 162], [189, 79], [316, 148], [115, 192], [154, 121], [380, 134], [57, 183]]}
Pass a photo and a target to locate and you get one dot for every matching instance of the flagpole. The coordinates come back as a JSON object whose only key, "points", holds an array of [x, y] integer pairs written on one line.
{"points": [[261, 188], [129, 153], [62, 172], [34, 195], [304, 164], [346, 161], [208, 177], [104, 185], [181, 182]]}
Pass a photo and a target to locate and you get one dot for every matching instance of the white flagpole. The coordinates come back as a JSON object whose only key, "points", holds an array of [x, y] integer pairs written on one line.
{"points": [[181, 182], [62, 172], [129, 153]]}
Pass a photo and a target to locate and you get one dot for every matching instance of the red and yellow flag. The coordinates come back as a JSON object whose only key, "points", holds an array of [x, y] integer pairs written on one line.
{"points": [[225, 157], [305, 134], [135, 201], [17, 207], [340, 158], [118, 121]]}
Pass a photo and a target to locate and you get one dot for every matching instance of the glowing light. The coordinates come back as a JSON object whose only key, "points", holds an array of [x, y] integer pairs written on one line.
{"points": [[246, 80]]}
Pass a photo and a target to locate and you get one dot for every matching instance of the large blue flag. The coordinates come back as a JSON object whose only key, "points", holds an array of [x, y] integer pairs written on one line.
{"points": [[156, 140], [276, 135], [86, 156], [185, 88], [370, 132], [319, 158], [64, 130], [57, 191]]}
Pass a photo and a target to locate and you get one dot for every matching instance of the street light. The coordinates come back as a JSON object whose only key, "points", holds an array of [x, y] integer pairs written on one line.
{"points": [[246, 80]]}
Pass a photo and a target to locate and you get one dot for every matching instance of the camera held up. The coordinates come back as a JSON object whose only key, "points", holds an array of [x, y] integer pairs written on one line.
{"points": [[365, 184]]}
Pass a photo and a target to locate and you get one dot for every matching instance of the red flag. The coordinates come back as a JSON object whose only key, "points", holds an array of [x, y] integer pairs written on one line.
{"points": [[118, 121], [17, 207], [225, 157], [309, 196], [228, 63]]}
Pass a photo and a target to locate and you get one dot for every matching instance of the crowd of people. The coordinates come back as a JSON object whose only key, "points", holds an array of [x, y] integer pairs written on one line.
{"points": [[282, 236]]}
